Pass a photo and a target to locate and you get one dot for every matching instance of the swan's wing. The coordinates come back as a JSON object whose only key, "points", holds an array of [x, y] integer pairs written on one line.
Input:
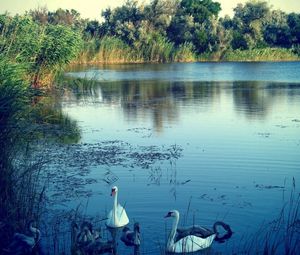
{"points": [[110, 220], [195, 231], [121, 212], [122, 215], [192, 243], [24, 239], [121, 218]]}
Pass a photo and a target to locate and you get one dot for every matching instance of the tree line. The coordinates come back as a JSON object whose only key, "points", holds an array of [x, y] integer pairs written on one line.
{"points": [[179, 30], [160, 31]]}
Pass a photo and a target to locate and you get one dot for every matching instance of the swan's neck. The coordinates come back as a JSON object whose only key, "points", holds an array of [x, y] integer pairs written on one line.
{"points": [[36, 233], [173, 233], [136, 237], [115, 208]]}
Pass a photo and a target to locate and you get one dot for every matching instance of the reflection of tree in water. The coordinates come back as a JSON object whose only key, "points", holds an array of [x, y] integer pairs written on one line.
{"points": [[250, 98], [161, 101], [158, 100], [52, 124], [254, 99]]}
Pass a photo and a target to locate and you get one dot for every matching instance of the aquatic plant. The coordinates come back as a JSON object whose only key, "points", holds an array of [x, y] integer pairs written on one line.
{"points": [[279, 236], [21, 195], [43, 49], [22, 122]]}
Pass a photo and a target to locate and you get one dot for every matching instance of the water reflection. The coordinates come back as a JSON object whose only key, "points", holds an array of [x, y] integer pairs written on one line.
{"points": [[161, 101], [250, 99]]}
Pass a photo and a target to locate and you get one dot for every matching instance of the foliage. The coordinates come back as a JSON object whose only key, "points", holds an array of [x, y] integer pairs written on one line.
{"points": [[201, 10], [59, 46], [19, 38], [155, 32], [44, 49], [185, 53], [14, 93], [265, 54], [293, 21]]}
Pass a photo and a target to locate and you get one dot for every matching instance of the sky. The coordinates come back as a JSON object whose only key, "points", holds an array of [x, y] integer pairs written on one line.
{"points": [[92, 8]]}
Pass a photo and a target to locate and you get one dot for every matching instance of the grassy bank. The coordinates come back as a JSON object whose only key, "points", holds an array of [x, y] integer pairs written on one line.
{"points": [[113, 50], [265, 54]]}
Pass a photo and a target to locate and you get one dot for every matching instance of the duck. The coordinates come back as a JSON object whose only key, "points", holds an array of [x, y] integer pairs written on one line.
{"points": [[131, 238], [25, 244], [117, 217], [187, 240]]}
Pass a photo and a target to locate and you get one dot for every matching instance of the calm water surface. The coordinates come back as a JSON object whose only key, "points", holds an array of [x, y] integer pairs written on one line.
{"points": [[238, 125]]}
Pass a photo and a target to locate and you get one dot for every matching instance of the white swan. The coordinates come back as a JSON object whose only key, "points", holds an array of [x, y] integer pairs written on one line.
{"points": [[187, 243], [117, 217], [23, 244]]}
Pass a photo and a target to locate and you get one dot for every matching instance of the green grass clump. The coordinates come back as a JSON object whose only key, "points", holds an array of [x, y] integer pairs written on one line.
{"points": [[185, 53], [265, 54]]}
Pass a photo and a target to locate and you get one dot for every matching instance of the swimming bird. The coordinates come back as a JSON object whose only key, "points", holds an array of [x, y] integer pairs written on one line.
{"points": [[87, 235], [131, 238], [117, 217], [88, 241], [24, 244], [203, 231], [187, 241]]}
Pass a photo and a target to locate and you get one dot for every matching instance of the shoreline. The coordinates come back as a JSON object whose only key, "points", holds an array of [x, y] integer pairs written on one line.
{"points": [[74, 63]]}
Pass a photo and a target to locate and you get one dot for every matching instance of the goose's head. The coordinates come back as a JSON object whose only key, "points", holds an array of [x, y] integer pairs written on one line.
{"points": [[172, 213], [114, 190]]}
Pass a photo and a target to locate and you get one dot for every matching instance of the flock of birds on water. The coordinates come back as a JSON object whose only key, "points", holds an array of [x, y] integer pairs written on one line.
{"points": [[86, 240]]}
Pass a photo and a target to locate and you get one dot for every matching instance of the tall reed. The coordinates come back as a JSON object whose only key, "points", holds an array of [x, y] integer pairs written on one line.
{"points": [[265, 54], [21, 195], [154, 49], [281, 235], [185, 53]]}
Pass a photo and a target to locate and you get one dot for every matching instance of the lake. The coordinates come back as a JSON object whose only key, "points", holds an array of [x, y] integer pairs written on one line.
{"points": [[216, 141]]}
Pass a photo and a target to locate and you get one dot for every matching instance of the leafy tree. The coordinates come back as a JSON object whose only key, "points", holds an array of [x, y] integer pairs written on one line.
{"points": [[92, 28], [293, 21], [160, 13], [238, 41], [252, 10], [201, 41], [276, 30], [249, 19], [123, 21], [193, 23], [201, 10], [40, 15], [181, 28], [63, 17]]}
